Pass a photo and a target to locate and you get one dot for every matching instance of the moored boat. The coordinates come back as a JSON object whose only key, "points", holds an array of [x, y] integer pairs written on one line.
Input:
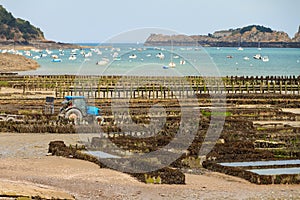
{"points": [[257, 56], [56, 60], [265, 59]]}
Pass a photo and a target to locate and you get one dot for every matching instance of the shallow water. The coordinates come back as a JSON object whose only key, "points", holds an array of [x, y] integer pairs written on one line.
{"points": [[261, 163], [277, 171], [101, 154]]}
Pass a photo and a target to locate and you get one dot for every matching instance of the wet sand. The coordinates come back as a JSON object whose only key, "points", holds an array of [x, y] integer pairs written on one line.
{"points": [[24, 163]]}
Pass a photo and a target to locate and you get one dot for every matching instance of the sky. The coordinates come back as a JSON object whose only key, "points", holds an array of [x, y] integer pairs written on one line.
{"points": [[98, 20]]}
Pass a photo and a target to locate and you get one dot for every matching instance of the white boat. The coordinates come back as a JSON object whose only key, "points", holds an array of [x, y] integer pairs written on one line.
{"points": [[160, 56], [133, 56], [72, 57], [240, 49], [116, 54], [48, 51], [148, 55], [28, 53], [102, 62], [172, 64], [176, 57], [98, 52], [89, 54], [246, 58], [257, 56], [265, 59], [182, 62], [74, 50]]}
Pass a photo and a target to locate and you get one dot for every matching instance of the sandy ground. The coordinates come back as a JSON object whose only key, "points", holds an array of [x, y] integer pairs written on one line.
{"points": [[12, 62], [26, 170]]}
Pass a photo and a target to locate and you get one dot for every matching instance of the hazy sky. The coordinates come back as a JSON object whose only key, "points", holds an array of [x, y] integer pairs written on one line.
{"points": [[97, 20]]}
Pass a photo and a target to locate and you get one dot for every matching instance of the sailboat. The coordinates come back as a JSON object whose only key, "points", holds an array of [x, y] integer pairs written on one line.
{"points": [[172, 64], [259, 48], [240, 47]]}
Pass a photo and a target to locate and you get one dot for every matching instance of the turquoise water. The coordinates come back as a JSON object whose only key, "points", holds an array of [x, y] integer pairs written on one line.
{"points": [[212, 61]]}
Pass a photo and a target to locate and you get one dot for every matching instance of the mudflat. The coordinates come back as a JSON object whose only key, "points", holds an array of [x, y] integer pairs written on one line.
{"points": [[12, 63], [25, 170]]}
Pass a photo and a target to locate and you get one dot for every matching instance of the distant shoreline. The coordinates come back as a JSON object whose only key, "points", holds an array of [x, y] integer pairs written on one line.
{"points": [[61, 45], [226, 44]]}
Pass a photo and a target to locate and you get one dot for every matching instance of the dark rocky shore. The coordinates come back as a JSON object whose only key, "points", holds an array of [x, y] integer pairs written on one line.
{"points": [[46, 44]]}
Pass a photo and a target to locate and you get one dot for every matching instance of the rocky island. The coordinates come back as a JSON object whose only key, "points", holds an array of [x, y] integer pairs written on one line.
{"points": [[249, 36]]}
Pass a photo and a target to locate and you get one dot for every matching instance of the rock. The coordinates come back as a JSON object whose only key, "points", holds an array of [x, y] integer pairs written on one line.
{"points": [[249, 36], [297, 36]]}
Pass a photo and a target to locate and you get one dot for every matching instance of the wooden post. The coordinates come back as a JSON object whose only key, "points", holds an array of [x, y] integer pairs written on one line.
{"points": [[280, 87]]}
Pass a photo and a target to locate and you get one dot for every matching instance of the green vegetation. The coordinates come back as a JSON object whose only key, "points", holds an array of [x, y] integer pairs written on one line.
{"points": [[152, 180], [3, 84], [261, 129], [259, 28], [208, 114], [23, 198], [17, 29]]}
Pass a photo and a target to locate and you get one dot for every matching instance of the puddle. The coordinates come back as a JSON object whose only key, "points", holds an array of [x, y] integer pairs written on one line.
{"points": [[278, 171], [101, 154], [261, 163]]}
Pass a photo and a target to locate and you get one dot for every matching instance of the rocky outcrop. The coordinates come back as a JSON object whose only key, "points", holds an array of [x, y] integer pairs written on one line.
{"points": [[165, 175], [250, 36], [16, 29], [297, 36], [168, 40], [19, 32], [252, 33]]}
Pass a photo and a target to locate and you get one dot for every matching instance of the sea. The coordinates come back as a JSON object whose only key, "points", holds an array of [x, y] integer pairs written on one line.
{"points": [[137, 59]]}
